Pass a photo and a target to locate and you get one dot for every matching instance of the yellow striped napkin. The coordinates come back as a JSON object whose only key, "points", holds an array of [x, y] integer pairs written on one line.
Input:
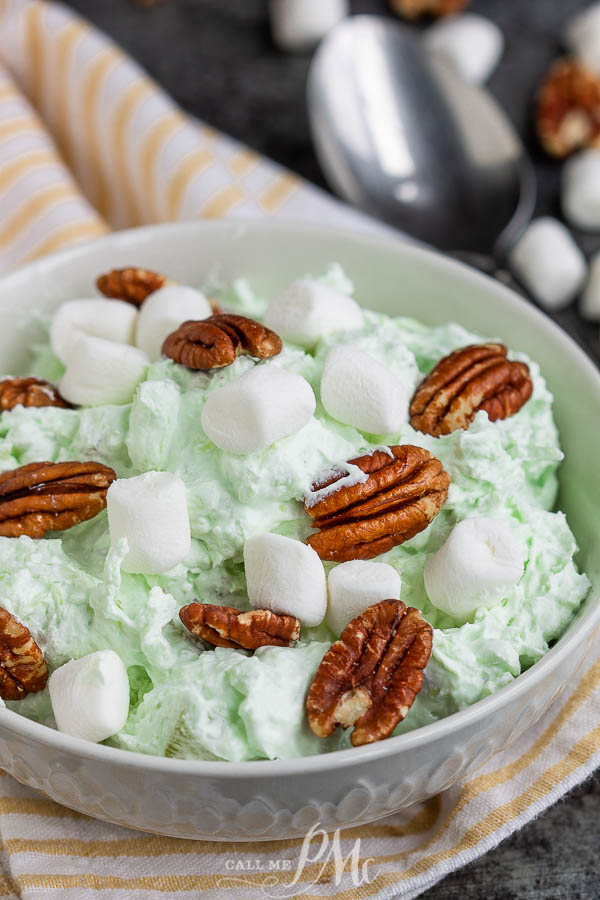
{"points": [[88, 143]]}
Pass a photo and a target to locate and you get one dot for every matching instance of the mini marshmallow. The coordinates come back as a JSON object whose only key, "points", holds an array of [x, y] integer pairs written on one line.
{"points": [[150, 510], [90, 696], [581, 190], [308, 310], [163, 312], [549, 263], [480, 561], [358, 390], [582, 36], [471, 44], [261, 407], [285, 576], [589, 306], [356, 585], [101, 371], [300, 24], [113, 320]]}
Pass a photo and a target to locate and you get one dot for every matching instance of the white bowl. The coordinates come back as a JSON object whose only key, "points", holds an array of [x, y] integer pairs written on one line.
{"points": [[282, 799]]}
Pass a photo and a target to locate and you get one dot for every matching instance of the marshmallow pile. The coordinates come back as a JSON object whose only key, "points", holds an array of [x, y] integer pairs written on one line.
{"points": [[287, 577], [90, 696], [479, 562], [546, 259], [107, 345]]}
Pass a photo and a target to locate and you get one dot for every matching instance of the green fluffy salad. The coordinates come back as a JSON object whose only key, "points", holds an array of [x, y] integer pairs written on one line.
{"points": [[193, 701]]}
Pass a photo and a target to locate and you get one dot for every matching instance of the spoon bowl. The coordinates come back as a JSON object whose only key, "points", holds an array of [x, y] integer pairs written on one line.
{"points": [[401, 136]]}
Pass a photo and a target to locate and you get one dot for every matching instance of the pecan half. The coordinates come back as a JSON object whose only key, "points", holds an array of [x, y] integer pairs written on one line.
{"points": [[47, 496], [29, 392], [23, 668], [217, 341], [130, 284], [472, 378], [224, 626], [567, 114], [404, 492], [371, 676], [414, 9]]}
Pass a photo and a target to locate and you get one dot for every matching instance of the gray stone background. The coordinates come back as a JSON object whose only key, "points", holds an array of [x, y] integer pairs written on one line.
{"points": [[217, 59]]}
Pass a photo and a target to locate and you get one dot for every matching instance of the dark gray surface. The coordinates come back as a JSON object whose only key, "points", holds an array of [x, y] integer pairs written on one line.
{"points": [[216, 58]]}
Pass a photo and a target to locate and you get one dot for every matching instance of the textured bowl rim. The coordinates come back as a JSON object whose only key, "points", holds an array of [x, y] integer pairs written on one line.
{"points": [[585, 625]]}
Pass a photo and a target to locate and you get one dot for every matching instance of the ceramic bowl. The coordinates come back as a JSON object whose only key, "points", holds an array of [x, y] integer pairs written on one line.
{"points": [[282, 799]]}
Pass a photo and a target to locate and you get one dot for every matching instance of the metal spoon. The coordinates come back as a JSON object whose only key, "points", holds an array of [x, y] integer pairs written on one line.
{"points": [[402, 137]]}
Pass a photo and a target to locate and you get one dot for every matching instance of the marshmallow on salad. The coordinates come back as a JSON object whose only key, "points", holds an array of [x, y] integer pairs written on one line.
{"points": [[285, 576], [164, 311], [358, 390], [90, 696], [113, 320], [261, 407], [150, 510], [479, 562], [470, 43], [549, 263], [309, 310], [354, 586], [102, 372]]}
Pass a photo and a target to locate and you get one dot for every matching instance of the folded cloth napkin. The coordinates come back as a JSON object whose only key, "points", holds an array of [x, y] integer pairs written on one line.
{"points": [[89, 143]]}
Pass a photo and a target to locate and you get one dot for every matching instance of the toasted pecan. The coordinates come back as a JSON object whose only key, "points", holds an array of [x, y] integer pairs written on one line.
{"points": [[370, 677], [217, 341], [477, 377], [23, 669], [47, 496], [414, 9], [29, 391], [404, 492], [567, 112], [224, 626], [130, 284]]}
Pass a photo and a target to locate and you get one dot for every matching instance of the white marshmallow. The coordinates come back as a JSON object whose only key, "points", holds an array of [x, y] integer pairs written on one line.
{"points": [[101, 371], [308, 310], [589, 306], [480, 561], [300, 24], [471, 44], [113, 320], [358, 390], [150, 510], [582, 36], [356, 585], [163, 312], [285, 576], [90, 696], [549, 263], [261, 407], [581, 190]]}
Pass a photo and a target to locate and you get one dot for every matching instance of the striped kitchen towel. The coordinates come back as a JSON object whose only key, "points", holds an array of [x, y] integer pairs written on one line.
{"points": [[88, 143]]}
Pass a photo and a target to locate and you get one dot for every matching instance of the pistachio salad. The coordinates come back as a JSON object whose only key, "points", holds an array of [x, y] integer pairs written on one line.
{"points": [[208, 499]]}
